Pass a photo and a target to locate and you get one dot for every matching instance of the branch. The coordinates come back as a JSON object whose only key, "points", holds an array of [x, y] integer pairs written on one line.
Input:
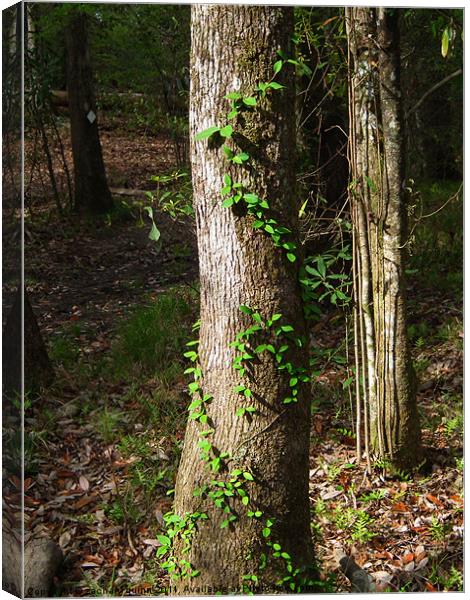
{"points": [[431, 90]]}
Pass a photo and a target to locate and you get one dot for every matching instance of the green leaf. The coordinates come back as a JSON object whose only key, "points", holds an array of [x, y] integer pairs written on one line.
{"points": [[321, 266], [245, 500], [251, 198], [312, 271], [246, 309], [226, 131], [232, 114], [291, 257], [302, 208], [233, 96], [239, 159], [228, 153], [154, 234], [228, 202], [248, 476], [207, 133], [240, 412], [164, 540], [277, 66], [162, 550], [269, 228], [276, 86], [266, 532], [249, 101], [445, 42], [247, 393]]}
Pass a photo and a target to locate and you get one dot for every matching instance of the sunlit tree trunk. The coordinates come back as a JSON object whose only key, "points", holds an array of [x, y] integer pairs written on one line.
{"points": [[233, 49], [91, 189], [379, 212]]}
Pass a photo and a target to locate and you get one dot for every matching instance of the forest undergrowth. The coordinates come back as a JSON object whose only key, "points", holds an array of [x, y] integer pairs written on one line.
{"points": [[102, 444]]}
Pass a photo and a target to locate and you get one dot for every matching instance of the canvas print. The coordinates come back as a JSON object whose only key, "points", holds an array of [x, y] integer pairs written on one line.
{"points": [[232, 299]]}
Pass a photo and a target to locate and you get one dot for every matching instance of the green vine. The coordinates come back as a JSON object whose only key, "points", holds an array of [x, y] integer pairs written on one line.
{"points": [[276, 338]]}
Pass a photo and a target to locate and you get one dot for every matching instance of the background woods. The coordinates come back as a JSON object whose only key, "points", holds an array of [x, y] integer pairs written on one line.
{"points": [[242, 294]]}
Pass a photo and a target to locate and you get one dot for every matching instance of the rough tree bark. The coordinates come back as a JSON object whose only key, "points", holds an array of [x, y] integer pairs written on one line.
{"points": [[91, 189], [379, 211], [24, 340], [233, 49]]}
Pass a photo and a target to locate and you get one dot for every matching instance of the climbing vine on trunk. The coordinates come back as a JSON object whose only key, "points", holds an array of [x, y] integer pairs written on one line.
{"points": [[244, 467], [385, 378]]}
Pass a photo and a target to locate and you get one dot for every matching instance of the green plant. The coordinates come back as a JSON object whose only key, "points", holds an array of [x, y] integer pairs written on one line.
{"points": [[453, 581], [150, 340], [437, 529], [343, 517], [453, 425], [177, 200], [360, 530], [374, 496], [320, 507], [123, 510], [358, 523], [267, 334], [63, 349], [108, 423]]}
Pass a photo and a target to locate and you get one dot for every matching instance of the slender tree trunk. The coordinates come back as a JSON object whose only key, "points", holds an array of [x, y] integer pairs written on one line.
{"points": [[233, 49], [91, 189], [377, 161]]}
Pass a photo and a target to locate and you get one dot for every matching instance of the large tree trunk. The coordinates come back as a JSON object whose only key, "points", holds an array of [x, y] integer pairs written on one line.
{"points": [[241, 266], [91, 189], [379, 211]]}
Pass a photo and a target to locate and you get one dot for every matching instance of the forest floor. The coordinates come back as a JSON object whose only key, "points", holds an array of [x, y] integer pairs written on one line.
{"points": [[103, 442]]}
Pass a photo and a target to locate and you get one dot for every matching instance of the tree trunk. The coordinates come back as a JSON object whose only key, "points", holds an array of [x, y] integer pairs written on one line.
{"points": [[91, 189], [379, 207], [242, 266], [26, 340]]}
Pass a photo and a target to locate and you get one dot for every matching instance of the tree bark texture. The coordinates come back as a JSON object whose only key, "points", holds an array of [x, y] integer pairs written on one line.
{"points": [[26, 340], [379, 211], [91, 189], [233, 49]]}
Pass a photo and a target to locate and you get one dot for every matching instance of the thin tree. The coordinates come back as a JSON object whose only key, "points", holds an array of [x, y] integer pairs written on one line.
{"points": [[91, 188], [256, 445], [378, 207]]}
